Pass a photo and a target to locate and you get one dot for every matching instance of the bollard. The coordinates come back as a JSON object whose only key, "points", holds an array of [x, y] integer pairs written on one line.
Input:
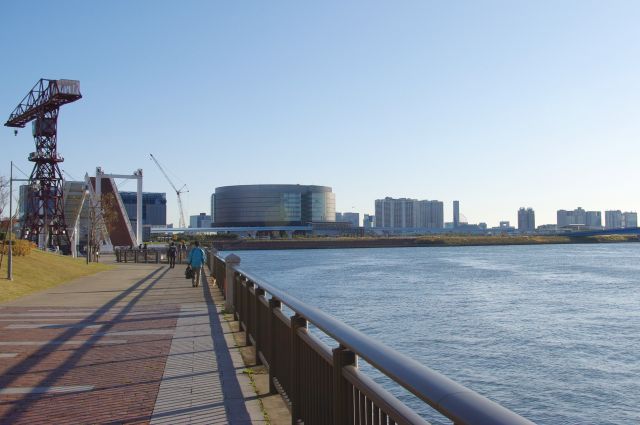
{"points": [[232, 261]]}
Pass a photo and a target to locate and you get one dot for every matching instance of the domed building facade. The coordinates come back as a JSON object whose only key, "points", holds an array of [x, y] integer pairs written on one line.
{"points": [[273, 205]]}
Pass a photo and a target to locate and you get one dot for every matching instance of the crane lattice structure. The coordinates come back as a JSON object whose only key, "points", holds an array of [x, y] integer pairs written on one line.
{"points": [[44, 215], [180, 191]]}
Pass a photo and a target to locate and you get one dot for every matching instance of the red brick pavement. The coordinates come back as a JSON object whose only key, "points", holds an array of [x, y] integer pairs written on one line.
{"points": [[125, 376]]}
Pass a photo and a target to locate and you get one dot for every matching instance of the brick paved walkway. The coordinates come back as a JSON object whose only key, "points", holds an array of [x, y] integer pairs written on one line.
{"points": [[134, 345]]}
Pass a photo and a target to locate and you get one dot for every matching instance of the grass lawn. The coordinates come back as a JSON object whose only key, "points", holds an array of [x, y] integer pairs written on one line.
{"points": [[41, 270]]}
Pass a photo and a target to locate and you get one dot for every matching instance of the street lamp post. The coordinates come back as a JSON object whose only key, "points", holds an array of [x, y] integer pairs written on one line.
{"points": [[10, 230], [10, 253]]}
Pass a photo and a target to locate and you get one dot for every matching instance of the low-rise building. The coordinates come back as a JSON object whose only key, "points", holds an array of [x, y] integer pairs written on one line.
{"points": [[199, 221], [368, 221], [349, 217]]}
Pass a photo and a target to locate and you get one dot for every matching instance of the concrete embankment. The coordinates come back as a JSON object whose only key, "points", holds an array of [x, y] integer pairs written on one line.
{"points": [[399, 242]]}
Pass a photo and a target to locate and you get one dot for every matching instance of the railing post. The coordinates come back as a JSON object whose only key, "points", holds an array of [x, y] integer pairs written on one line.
{"points": [[246, 310], [341, 357], [256, 314], [222, 269], [297, 322], [232, 261], [274, 304], [135, 256], [212, 255]]}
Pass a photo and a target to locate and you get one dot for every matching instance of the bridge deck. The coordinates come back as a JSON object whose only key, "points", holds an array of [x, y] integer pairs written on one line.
{"points": [[136, 344]]}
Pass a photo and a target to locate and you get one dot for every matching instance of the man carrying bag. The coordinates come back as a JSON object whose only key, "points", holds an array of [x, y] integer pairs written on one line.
{"points": [[196, 260]]}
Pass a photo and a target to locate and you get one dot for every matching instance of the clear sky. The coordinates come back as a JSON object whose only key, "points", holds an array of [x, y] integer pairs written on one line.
{"points": [[499, 104]]}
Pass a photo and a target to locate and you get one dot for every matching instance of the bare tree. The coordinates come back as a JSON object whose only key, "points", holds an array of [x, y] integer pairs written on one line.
{"points": [[109, 214], [4, 193]]}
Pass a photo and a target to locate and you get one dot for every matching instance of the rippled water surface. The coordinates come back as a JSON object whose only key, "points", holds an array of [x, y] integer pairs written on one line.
{"points": [[551, 332]]}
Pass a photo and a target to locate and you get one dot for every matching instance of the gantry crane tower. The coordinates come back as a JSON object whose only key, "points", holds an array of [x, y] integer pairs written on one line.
{"points": [[44, 215], [183, 189]]}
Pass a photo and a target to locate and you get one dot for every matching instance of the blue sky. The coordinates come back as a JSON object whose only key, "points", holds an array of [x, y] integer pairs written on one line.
{"points": [[499, 104]]}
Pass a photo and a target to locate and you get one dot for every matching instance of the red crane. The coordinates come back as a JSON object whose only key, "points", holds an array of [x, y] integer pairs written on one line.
{"points": [[44, 215]]}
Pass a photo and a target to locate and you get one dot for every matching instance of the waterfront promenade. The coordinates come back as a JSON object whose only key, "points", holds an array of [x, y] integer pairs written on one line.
{"points": [[136, 344]]}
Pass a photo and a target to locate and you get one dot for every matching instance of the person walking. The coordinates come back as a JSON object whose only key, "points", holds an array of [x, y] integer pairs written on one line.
{"points": [[183, 251], [196, 260], [171, 255]]}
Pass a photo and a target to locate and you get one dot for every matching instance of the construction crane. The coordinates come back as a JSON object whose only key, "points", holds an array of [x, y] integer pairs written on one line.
{"points": [[44, 215], [180, 191]]}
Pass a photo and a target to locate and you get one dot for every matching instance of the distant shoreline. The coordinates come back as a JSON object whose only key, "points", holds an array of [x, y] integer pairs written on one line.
{"points": [[408, 242]]}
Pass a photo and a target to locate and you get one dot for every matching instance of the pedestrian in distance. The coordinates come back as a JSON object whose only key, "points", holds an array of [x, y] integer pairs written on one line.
{"points": [[171, 255], [196, 260], [183, 251]]}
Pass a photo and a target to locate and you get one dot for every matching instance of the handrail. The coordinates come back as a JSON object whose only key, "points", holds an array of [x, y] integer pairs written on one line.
{"points": [[458, 403]]}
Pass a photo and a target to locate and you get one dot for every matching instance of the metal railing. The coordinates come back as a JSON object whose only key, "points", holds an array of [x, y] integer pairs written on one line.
{"points": [[324, 385], [150, 255]]}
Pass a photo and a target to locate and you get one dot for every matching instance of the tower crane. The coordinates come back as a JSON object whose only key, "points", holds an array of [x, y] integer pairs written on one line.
{"points": [[180, 191], [44, 215]]}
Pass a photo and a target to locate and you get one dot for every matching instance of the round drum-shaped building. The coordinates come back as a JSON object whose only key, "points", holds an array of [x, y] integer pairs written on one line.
{"points": [[273, 205]]}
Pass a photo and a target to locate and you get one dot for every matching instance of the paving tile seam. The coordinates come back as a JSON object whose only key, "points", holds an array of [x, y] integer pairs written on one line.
{"points": [[45, 390], [200, 392], [64, 342]]}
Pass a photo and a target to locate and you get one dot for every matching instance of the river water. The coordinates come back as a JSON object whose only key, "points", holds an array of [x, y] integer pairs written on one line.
{"points": [[550, 331]]}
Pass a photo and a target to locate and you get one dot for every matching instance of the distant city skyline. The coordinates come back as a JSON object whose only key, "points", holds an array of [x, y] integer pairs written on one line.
{"points": [[497, 105]]}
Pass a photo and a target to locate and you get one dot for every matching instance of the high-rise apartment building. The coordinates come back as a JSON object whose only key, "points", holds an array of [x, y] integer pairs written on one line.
{"points": [[568, 218], [408, 213], [613, 219], [456, 214], [629, 219], [594, 219], [430, 214], [526, 220]]}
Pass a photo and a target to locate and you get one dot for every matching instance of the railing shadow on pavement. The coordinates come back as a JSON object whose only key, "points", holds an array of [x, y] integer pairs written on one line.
{"points": [[40, 355]]}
